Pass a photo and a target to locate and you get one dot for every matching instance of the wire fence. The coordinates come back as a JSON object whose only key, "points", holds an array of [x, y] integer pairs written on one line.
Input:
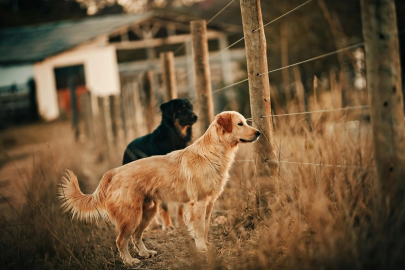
{"points": [[338, 51], [351, 108]]}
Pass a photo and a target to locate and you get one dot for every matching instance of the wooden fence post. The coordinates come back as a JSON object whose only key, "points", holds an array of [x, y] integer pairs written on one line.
{"points": [[259, 90], [118, 119], [139, 120], [104, 126], [202, 73], [128, 110], [73, 106], [169, 75], [149, 97], [113, 117], [87, 112], [385, 90]]}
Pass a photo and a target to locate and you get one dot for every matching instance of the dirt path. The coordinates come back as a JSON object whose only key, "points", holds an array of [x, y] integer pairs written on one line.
{"points": [[176, 250]]}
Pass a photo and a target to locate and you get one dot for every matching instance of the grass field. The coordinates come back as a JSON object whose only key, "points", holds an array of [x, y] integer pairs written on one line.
{"points": [[324, 216]]}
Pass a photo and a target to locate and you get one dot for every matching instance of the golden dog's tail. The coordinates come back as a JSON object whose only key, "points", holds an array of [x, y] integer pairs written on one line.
{"points": [[85, 207]]}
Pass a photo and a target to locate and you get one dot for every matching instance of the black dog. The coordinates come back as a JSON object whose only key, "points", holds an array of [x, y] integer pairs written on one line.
{"points": [[173, 133]]}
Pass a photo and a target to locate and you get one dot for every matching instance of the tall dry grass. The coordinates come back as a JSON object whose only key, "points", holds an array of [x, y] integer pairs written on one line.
{"points": [[324, 216], [36, 234]]}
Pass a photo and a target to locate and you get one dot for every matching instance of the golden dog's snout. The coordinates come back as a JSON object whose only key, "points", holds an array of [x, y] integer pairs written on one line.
{"points": [[257, 135]]}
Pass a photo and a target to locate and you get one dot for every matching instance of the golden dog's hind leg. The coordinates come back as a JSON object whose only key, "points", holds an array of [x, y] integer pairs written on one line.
{"points": [[148, 214], [127, 227]]}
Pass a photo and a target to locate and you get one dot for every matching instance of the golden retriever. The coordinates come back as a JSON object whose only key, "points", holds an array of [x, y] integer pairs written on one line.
{"points": [[195, 176]]}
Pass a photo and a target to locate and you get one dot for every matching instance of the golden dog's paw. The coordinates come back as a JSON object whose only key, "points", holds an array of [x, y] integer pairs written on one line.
{"points": [[131, 262], [148, 254], [152, 253], [202, 248]]}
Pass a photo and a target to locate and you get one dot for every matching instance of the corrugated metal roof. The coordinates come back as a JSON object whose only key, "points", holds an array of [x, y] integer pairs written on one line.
{"points": [[35, 43]]}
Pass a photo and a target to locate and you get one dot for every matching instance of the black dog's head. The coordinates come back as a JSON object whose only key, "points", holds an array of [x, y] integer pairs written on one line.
{"points": [[179, 111]]}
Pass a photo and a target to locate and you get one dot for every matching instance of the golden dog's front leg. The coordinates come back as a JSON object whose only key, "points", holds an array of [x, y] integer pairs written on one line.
{"points": [[197, 218], [210, 206]]}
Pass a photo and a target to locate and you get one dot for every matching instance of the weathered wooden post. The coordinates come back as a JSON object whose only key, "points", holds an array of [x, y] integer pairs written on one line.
{"points": [[202, 73], [259, 90], [87, 111], [113, 117], [169, 75], [103, 126], [118, 119], [73, 106], [125, 110], [139, 120], [384, 87], [149, 97]]}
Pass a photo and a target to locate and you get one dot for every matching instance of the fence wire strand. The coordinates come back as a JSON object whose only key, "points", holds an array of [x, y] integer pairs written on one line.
{"points": [[282, 15], [308, 163], [215, 55], [314, 58], [210, 20], [228, 86], [318, 111]]}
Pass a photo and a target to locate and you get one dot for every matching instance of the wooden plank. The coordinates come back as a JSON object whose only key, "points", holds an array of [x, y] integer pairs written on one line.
{"points": [[131, 45]]}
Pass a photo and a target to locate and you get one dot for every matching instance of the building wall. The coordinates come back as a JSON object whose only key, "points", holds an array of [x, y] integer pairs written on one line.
{"points": [[17, 74], [101, 75]]}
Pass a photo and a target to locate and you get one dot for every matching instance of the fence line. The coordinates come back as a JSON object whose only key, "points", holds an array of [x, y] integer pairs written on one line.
{"points": [[318, 111], [309, 163]]}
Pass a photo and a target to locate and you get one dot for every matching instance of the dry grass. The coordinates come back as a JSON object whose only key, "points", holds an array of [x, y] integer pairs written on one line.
{"points": [[323, 218]]}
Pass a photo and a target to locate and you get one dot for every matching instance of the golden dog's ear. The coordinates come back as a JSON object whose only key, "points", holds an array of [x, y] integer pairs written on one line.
{"points": [[225, 121]]}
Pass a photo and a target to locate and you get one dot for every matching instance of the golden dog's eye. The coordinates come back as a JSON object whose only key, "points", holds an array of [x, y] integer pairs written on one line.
{"points": [[240, 124]]}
